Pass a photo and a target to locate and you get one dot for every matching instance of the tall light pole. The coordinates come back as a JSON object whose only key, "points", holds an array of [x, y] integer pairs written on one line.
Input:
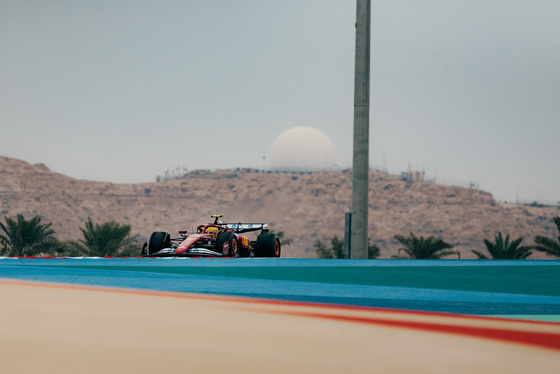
{"points": [[360, 164]]}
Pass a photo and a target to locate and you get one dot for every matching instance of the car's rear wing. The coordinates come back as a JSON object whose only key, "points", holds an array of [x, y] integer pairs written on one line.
{"points": [[246, 227]]}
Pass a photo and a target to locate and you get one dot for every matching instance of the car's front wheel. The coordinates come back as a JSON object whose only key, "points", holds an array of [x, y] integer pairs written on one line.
{"points": [[145, 249], [226, 244], [158, 241]]}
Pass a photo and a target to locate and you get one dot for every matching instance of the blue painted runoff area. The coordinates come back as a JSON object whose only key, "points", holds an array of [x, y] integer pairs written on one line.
{"points": [[524, 289]]}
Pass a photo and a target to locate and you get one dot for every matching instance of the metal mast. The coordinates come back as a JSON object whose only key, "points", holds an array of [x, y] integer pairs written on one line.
{"points": [[360, 165]]}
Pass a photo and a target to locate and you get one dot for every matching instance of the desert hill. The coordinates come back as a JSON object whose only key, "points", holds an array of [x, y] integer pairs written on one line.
{"points": [[305, 206]]}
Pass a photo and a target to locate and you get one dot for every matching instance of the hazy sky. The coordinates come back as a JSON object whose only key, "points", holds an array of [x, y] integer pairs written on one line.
{"points": [[468, 91]]}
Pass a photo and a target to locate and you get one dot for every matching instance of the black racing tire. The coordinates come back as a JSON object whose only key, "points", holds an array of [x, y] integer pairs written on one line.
{"points": [[268, 245], [231, 240], [158, 241]]}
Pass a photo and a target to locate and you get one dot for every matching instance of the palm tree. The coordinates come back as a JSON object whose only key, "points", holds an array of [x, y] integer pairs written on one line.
{"points": [[372, 250], [109, 239], [504, 250], [336, 250], [26, 237], [420, 248], [548, 245]]}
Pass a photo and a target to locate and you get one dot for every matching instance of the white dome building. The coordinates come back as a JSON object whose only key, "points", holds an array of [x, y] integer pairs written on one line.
{"points": [[302, 149]]}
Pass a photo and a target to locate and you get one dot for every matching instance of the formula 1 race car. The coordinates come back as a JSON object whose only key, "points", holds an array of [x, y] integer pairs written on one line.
{"points": [[217, 239]]}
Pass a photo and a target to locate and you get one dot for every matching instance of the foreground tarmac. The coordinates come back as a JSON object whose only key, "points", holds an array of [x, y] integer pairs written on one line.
{"points": [[61, 325]]}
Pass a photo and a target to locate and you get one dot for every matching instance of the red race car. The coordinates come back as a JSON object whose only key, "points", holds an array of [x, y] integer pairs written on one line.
{"points": [[217, 239]]}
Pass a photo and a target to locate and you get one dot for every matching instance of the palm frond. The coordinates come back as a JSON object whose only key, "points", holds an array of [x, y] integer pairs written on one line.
{"points": [[503, 249], [26, 237], [109, 239], [550, 246], [423, 248], [322, 250]]}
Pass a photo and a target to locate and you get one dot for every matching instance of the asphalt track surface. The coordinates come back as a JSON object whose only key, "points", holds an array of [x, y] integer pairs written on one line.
{"points": [[279, 315]]}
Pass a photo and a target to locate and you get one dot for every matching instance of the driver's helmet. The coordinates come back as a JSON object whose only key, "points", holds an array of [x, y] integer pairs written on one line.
{"points": [[212, 230]]}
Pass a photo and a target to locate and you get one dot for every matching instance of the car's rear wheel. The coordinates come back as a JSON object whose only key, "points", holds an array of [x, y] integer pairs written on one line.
{"points": [[226, 244], [158, 241], [268, 245]]}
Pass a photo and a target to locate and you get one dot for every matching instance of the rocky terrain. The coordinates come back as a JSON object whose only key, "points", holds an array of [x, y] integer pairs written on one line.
{"points": [[306, 207]]}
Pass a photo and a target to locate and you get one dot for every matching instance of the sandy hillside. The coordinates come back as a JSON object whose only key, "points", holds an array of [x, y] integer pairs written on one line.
{"points": [[306, 207]]}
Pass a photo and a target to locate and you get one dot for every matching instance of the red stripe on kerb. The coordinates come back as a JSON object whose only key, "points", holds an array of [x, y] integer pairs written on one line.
{"points": [[540, 339]]}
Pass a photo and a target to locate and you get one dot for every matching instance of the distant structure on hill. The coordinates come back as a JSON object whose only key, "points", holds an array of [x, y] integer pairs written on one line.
{"points": [[173, 173], [412, 176], [302, 149]]}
